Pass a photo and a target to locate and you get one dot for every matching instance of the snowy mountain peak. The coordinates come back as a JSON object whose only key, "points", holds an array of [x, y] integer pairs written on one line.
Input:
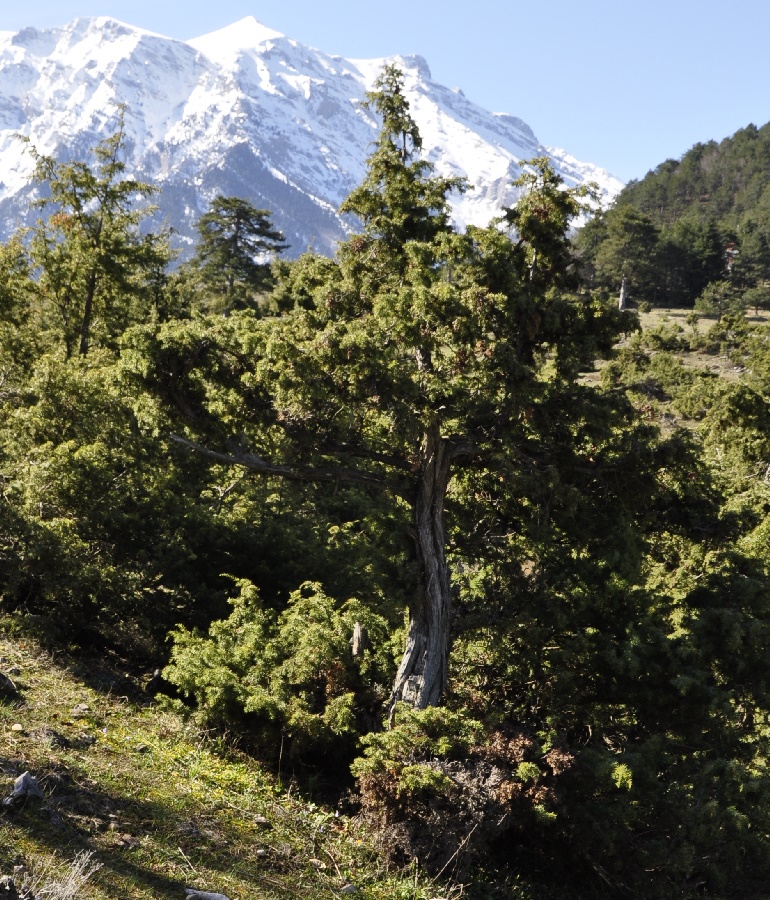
{"points": [[244, 111], [413, 63], [246, 34], [103, 28]]}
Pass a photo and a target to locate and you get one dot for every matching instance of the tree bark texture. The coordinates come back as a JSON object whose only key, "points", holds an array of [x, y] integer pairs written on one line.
{"points": [[88, 310], [423, 673]]}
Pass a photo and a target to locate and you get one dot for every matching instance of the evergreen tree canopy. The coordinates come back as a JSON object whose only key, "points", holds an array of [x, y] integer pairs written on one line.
{"points": [[409, 359], [399, 199], [237, 243], [95, 270]]}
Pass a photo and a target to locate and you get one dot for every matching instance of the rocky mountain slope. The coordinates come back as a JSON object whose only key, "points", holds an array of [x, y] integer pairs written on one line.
{"points": [[244, 111]]}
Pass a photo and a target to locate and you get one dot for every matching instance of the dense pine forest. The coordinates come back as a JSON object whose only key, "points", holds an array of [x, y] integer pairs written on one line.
{"points": [[694, 232], [435, 511]]}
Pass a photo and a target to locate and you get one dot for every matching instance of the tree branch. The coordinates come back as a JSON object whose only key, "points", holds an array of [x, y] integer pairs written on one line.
{"points": [[462, 447], [387, 459], [314, 474]]}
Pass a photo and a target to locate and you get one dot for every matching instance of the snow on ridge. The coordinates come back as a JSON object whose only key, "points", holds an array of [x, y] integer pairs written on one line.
{"points": [[117, 26], [413, 66], [608, 183]]}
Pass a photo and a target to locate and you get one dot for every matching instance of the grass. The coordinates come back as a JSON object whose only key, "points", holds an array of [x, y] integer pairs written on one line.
{"points": [[161, 806], [660, 314], [660, 317]]}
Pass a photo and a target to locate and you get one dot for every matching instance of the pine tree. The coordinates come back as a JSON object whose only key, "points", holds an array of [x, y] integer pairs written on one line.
{"points": [[237, 243], [630, 251]]}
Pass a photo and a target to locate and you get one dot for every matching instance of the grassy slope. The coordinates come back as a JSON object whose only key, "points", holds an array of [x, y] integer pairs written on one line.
{"points": [[161, 806], [661, 317]]}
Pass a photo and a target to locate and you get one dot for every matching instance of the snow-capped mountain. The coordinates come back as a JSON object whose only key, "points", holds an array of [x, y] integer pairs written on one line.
{"points": [[246, 112]]}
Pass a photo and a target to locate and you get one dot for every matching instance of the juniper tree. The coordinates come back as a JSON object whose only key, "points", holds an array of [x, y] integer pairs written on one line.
{"points": [[91, 262], [409, 358]]}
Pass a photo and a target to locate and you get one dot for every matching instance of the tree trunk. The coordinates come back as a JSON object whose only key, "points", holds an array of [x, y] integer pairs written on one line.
{"points": [[88, 309], [423, 673]]}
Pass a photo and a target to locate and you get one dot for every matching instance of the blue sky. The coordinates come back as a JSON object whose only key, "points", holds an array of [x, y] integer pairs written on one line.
{"points": [[622, 85]]}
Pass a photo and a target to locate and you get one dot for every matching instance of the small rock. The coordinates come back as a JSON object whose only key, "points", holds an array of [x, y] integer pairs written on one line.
{"points": [[192, 894], [261, 820], [317, 863], [54, 738], [17, 727], [15, 671], [349, 889], [25, 786], [261, 852], [7, 687], [128, 841]]}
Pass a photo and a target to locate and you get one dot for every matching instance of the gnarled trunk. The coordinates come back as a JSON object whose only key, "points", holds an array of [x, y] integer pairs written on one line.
{"points": [[88, 311], [422, 675]]}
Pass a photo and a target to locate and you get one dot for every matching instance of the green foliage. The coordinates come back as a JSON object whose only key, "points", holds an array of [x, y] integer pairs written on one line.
{"points": [[398, 200], [711, 182], [236, 246], [541, 221], [443, 787], [629, 251], [589, 587], [100, 542], [414, 337], [421, 410], [668, 266], [294, 670], [419, 734], [95, 272], [688, 226], [718, 298]]}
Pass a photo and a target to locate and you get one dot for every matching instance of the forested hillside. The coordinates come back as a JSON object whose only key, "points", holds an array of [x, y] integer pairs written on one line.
{"points": [[433, 511], [692, 232]]}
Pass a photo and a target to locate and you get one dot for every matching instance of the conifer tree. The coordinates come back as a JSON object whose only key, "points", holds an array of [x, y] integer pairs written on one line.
{"points": [[237, 243], [405, 361], [90, 259], [629, 251]]}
